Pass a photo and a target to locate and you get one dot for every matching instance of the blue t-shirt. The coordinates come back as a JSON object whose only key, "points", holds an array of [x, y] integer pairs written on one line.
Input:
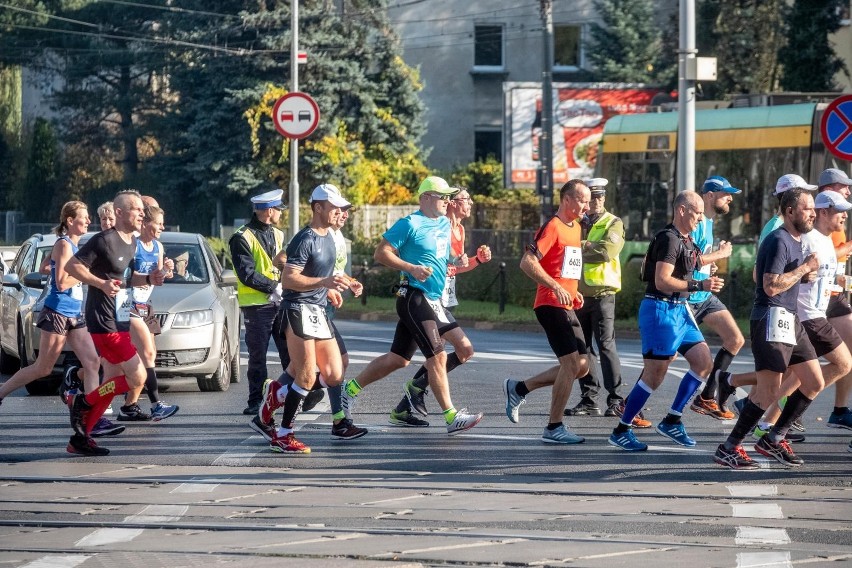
{"points": [[421, 240], [315, 255], [702, 236], [770, 226], [779, 253]]}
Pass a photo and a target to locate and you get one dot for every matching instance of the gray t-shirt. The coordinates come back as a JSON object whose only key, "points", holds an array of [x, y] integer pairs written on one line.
{"points": [[315, 255], [779, 253]]}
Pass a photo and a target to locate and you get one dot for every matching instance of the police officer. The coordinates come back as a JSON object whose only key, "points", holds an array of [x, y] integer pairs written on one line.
{"points": [[254, 248], [601, 280]]}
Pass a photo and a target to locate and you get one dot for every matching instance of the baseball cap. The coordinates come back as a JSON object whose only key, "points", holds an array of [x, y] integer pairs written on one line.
{"points": [[792, 181], [597, 185], [833, 175], [718, 183], [830, 198], [330, 193], [435, 184]]}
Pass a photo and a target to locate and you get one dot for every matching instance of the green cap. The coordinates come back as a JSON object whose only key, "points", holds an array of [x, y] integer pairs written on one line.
{"points": [[434, 184]]}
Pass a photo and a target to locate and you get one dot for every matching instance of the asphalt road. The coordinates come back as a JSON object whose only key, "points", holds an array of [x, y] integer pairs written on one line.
{"points": [[201, 488]]}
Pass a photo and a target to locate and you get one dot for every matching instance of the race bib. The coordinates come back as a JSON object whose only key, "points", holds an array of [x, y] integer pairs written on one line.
{"points": [[314, 322], [122, 305], [781, 326], [439, 310], [448, 299], [572, 263], [77, 292]]}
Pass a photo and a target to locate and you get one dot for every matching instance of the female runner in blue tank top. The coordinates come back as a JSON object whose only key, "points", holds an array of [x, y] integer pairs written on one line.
{"points": [[61, 319], [143, 325]]}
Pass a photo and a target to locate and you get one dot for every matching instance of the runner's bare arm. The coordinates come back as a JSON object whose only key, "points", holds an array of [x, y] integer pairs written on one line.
{"points": [[774, 284], [666, 283], [531, 266], [293, 279], [387, 255], [82, 273]]}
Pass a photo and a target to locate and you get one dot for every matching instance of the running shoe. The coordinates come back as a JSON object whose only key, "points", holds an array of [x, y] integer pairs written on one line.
{"points": [[798, 426], [725, 390], [841, 420], [513, 400], [312, 399], [612, 409], [849, 447], [267, 430], [347, 401], [346, 430], [70, 381], [288, 444], [792, 436], [739, 405], [84, 446], [561, 435], [706, 406], [584, 408], [161, 411], [252, 408], [676, 433], [132, 413], [627, 441], [416, 397], [104, 427], [723, 414], [79, 409], [270, 401], [734, 459], [638, 420], [407, 419], [463, 421], [780, 451]]}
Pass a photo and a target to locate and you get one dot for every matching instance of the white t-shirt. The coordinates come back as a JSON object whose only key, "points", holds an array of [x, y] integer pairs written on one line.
{"points": [[814, 296], [340, 247]]}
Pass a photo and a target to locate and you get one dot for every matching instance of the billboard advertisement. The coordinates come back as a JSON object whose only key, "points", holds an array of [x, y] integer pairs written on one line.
{"points": [[580, 111]]}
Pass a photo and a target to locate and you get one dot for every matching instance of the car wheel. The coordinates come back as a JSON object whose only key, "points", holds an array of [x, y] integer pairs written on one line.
{"points": [[235, 367], [44, 387], [8, 363], [221, 379], [22, 346]]}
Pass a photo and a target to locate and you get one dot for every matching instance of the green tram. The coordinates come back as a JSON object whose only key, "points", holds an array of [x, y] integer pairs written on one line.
{"points": [[751, 147]]}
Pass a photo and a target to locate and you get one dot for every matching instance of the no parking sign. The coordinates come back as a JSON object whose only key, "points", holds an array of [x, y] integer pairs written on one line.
{"points": [[836, 127]]}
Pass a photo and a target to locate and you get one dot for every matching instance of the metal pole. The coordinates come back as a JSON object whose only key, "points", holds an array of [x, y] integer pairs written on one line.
{"points": [[546, 140], [686, 99], [294, 143]]}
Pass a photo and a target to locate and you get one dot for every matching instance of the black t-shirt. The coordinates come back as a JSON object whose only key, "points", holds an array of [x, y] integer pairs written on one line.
{"points": [[779, 253], [107, 256], [671, 247], [315, 255]]}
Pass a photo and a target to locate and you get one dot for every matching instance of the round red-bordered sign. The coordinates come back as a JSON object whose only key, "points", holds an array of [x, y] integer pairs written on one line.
{"points": [[295, 115], [836, 127]]}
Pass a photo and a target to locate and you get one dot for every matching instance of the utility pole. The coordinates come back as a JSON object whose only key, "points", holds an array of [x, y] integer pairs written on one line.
{"points": [[546, 140], [686, 98], [294, 143]]}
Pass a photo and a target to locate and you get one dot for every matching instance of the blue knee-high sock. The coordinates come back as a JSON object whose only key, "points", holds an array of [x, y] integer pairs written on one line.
{"points": [[636, 401], [689, 385], [334, 394]]}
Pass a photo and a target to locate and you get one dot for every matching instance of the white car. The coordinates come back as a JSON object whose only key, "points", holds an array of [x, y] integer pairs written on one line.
{"points": [[197, 310]]}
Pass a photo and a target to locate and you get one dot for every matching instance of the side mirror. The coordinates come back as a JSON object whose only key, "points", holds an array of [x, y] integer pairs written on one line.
{"points": [[11, 281], [35, 280], [229, 278]]}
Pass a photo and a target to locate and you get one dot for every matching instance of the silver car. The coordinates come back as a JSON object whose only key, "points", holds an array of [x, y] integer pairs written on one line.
{"points": [[197, 310]]}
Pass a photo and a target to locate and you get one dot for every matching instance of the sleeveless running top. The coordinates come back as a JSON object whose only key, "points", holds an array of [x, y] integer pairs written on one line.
{"points": [[69, 302], [145, 261]]}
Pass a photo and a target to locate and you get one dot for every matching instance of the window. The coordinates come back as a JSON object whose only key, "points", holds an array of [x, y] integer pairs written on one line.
{"points": [[566, 48], [488, 143], [488, 47]]}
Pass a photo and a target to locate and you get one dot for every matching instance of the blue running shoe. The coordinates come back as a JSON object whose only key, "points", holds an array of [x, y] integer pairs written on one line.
{"points": [[740, 404], [841, 420], [513, 400], [627, 441], [676, 433]]}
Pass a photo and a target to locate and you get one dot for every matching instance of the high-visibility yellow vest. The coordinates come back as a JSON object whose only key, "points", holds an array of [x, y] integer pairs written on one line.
{"points": [[602, 273], [247, 295]]}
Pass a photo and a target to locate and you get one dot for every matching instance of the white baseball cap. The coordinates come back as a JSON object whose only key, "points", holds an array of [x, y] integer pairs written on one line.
{"points": [[792, 181], [833, 199], [330, 193]]}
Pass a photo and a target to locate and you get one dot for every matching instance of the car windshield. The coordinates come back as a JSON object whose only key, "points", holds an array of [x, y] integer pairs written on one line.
{"points": [[189, 262]]}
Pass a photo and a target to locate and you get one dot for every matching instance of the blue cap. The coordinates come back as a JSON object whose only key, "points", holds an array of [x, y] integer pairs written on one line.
{"points": [[269, 200], [718, 183]]}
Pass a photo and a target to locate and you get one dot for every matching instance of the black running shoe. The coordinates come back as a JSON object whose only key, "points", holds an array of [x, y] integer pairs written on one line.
{"points": [[584, 408], [70, 381], [312, 399], [346, 430], [132, 413], [85, 446], [416, 397], [407, 419], [734, 459], [780, 451], [79, 409], [268, 431]]}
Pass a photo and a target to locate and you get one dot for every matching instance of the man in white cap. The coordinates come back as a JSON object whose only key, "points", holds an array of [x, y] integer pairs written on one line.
{"points": [[253, 249], [418, 245], [310, 282], [785, 183]]}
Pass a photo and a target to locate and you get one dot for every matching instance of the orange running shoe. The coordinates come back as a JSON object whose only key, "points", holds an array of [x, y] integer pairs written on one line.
{"points": [[706, 406], [288, 444]]}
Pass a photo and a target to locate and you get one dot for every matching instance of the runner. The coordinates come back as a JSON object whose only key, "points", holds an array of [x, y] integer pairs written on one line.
{"points": [[106, 214], [419, 247]]}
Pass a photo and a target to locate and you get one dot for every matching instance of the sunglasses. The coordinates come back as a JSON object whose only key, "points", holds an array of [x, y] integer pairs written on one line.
{"points": [[440, 197]]}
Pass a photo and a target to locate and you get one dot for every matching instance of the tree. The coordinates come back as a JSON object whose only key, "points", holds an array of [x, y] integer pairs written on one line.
{"points": [[809, 61], [42, 177], [625, 50]]}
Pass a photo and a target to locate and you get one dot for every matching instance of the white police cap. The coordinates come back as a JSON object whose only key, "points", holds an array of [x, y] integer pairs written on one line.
{"points": [[269, 200], [597, 185]]}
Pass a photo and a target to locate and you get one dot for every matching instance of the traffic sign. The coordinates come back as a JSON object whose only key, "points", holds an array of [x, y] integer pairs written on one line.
{"points": [[295, 115], [836, 127]]}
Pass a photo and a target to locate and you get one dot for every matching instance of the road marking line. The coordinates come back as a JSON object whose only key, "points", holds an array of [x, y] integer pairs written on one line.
{"points": [[68, 561], [328, 538], [158, 514], [597, 556], [752, 490], [757, 510], [451, 547], [103, 537], [761, 535], [195, 487], [406, 498], [764, 559]]}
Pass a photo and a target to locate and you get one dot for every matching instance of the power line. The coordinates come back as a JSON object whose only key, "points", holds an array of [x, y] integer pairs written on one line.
{"points": [[169, 8]]}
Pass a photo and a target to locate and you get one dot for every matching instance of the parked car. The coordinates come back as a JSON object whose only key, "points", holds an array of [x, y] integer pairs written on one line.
{"points": [[197, 310]]}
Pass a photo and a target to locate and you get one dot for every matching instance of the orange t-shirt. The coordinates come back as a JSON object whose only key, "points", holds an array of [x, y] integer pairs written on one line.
{"points": [[558, 246], [839, 238]]}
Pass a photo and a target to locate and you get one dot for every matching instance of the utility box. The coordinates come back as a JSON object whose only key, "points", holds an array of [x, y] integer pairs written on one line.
{"points": [[701, 69]]}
